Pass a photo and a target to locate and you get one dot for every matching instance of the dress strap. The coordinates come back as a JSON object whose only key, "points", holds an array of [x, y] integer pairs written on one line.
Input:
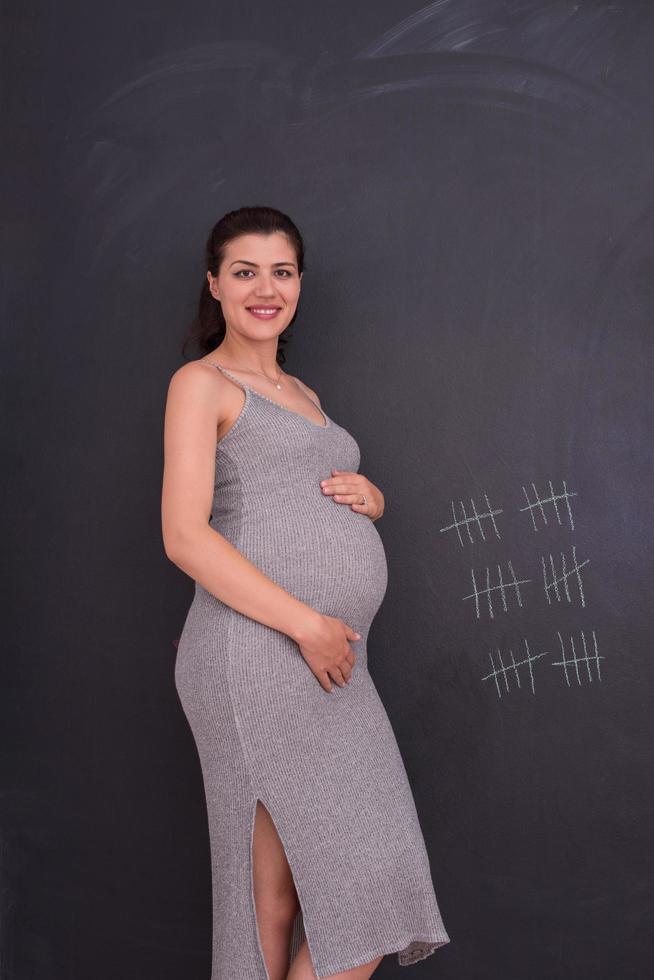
{"points": [[242, 384], [304, 388]]}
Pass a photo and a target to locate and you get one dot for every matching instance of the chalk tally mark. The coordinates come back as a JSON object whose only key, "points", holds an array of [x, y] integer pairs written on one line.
{"points": [[559, 585], [501, 672], [571, 664], [537, 506], [502, 587], [476, 518]]}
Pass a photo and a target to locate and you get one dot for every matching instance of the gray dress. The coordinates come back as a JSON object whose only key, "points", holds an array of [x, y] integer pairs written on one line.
{"points": [[326, 765]]}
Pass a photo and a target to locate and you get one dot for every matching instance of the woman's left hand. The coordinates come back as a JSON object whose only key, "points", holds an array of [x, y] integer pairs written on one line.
{"points": [[351, 488]]}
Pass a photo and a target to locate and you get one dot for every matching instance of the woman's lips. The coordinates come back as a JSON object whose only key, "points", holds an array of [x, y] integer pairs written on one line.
{"points": [[270, 315]]}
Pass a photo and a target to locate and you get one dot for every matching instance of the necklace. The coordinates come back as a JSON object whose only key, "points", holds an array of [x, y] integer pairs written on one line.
{"points": [[275, 383]]}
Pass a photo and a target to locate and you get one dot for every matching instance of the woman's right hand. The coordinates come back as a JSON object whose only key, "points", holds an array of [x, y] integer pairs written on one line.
{"points": [[327, 651]]}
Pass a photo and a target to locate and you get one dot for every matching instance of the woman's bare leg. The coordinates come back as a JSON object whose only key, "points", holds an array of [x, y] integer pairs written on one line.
{"points": [[276, 901], [302, 968]]}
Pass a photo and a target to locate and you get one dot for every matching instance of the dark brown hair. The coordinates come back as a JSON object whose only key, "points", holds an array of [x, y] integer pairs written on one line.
{"points": [[208, 327]]}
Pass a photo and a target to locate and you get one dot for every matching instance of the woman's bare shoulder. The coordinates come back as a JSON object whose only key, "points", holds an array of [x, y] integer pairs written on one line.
{"points": [[198, 386], [192, 372]]}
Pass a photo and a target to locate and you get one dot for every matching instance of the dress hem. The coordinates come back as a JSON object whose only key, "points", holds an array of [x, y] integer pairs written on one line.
{"points": [[433, 945]]}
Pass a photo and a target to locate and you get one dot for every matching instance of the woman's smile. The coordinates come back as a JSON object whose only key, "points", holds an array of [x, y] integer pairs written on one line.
{"points": [[263, 312]]}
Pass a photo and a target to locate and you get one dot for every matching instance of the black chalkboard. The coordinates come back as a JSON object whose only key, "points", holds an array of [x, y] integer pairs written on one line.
{"points": [[474, 181]]}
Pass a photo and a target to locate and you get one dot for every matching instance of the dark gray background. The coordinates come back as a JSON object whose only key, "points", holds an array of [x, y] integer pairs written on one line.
{"points": [[475, 184]]}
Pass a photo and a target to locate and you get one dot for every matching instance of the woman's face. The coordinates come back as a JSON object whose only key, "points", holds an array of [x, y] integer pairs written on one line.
{"points": [[258, 273]]}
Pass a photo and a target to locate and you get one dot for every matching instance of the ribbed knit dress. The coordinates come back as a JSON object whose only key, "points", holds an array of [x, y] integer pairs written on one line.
{"points": [[326, 765]]}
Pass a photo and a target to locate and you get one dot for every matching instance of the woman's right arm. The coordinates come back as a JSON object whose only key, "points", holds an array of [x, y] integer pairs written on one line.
{"points": [[194, 409]]}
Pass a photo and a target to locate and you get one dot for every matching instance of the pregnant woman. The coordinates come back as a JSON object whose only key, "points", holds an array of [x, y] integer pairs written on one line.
{"points": [[319, 865]]}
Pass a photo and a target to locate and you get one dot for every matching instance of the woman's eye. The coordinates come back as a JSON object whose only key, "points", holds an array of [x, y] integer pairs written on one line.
{"points": [[286, 273]]}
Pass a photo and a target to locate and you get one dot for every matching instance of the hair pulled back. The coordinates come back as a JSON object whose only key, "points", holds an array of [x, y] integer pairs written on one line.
{"points": [[208, 327]]}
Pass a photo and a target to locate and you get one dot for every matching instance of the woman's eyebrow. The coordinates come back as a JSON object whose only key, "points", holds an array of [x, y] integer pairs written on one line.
{"points": [[245, 262]]}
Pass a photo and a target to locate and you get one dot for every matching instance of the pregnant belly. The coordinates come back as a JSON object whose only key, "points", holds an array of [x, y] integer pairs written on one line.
{"points": [[326, 555]]}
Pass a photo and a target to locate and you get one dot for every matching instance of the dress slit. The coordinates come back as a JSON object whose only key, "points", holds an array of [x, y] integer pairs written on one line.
{"points": [[299, 932]]}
